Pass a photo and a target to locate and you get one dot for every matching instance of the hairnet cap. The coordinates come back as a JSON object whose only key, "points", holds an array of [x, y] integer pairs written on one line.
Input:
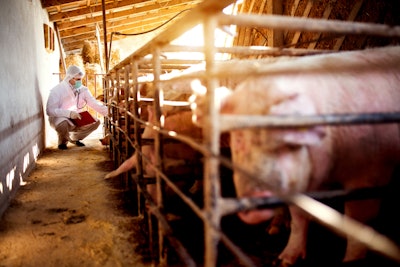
{"points": [[74, 71]]}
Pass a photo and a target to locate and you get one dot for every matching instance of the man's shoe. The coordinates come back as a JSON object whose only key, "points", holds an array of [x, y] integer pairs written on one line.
{"points": [[62, 146], [79, 143]]}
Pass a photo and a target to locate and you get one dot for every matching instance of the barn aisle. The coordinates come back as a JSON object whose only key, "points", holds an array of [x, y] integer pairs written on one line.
{"points": [[67, 215]]}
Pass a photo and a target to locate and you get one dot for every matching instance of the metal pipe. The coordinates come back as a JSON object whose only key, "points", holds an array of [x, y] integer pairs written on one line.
{"points": [[103, 8], [234, 122]]}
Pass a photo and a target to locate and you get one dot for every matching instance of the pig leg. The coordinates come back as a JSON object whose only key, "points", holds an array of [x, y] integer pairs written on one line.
{"points": [[124, 167], [363, 211], [132, 161], [105, 141], [279, 222], [296, 246]]}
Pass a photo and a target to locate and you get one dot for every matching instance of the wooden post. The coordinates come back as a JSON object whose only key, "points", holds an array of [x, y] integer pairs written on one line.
{"points": [[275, 37], [60, 47]]}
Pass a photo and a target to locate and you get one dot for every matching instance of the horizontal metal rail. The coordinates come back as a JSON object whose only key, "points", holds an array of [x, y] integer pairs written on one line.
{"points": [[280, 22], [234, 122]]}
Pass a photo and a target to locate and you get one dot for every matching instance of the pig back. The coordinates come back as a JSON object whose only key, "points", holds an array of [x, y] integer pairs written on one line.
{"points": [[181, 123], [356, 82], [347, 82]]}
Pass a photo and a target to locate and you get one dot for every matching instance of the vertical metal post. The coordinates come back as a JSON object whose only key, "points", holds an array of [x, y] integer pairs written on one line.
{"points": [[118, 118], [137, 133], [103, 8], [106, 89], [211, 135], [158, 103], [127, 120]]}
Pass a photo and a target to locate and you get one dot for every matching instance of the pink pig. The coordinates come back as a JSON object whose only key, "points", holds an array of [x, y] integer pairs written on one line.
{"points": [[298, 160], [179, 157]]}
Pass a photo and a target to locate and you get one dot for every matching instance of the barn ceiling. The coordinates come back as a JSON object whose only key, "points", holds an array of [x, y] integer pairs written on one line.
{"points": [[78, 21]]}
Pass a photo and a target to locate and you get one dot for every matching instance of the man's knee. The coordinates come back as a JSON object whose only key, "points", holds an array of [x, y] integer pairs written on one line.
{"points": [[62, 127], [92, 127]]}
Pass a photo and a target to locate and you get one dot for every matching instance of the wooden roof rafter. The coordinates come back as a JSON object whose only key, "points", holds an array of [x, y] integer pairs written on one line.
{"points": [[76, 20]]}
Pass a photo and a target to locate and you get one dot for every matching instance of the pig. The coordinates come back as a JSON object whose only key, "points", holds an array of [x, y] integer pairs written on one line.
{"points": [[105, 141], [174, 121], [297, 160], [179, 158]]}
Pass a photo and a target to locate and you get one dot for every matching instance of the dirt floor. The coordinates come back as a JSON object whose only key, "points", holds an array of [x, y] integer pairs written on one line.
{"points": [[68, 215]]}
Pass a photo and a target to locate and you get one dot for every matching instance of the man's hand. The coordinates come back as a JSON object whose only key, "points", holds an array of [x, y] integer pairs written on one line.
{"points": [[75, 115]]}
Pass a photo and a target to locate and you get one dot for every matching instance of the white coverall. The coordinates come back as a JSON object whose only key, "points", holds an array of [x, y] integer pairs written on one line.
{"points": [[62, 100]]}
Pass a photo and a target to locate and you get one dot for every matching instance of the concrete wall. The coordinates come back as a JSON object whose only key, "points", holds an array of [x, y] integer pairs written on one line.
{"points": [[26, 76]]}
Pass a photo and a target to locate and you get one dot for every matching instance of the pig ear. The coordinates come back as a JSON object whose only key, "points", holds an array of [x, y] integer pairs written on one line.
{"points": [[294, 103], [301, 105], [308, 136]]}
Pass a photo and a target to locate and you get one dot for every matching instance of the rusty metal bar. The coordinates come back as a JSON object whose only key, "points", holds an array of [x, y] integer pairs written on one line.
{"points": [[211, 134], [248, 51], [234, 122], [309, 24], [183, 254], [346, 226], [126, 118], [158, 145], [138, 136], [233, 205]]}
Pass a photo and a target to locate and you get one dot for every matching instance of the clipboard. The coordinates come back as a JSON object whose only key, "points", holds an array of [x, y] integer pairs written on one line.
{"points": [[86, 119]]}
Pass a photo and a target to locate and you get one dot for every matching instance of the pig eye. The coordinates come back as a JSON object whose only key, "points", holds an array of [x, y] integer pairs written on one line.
{"points": [[287, 147], [293, 147]]}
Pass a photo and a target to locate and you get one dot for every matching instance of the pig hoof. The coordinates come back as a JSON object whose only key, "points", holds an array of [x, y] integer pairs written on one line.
{"points": [[281, 263], [274, 230], [277, 263]]}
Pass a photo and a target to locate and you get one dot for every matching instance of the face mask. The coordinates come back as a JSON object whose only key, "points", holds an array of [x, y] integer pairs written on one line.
{"points": [[78, 84]]}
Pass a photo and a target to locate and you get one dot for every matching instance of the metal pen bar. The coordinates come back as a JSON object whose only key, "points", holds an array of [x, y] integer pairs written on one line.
{"points": [[309, 24], [233, 205], [346, 226], [234, 122], [182, 252]]}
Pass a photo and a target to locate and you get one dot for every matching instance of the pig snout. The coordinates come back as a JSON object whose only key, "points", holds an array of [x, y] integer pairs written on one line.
{"points": [[275, 168], [257, 216]]}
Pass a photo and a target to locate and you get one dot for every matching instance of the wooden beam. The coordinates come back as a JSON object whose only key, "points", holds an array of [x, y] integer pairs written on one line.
{"points": [[77, 42], [97, 9], [293, 12], [352, 16], [137, 13], [241, 30], [262, 6], [274, 36], [50, 3], [121, 25], [248, 32], [85, 10], [184, 23], [306, 12], [188, 21], [99, 48], [327, 13], [62, 55]]}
